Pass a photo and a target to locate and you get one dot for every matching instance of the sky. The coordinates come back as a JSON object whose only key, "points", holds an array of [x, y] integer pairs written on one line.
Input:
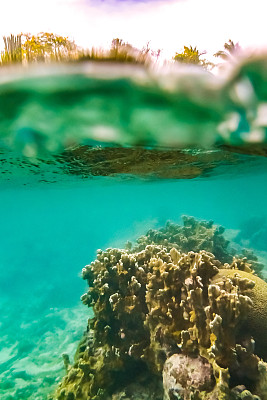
{"points": [[166, 24]]}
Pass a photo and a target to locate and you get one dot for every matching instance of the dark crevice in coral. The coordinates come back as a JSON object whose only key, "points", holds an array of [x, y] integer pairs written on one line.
{"points": [[136, 370], [237, 379]]}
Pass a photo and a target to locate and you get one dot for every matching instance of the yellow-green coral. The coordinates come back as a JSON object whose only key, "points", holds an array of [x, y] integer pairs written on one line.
{"points": [[196, 235], [158, 301], [256, 319]]}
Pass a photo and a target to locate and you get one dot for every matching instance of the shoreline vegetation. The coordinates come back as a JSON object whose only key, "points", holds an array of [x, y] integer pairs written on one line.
{"points": [[26, 48]]}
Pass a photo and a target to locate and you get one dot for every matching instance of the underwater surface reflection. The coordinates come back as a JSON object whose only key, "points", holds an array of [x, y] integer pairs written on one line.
{"points": [[82, 170]]}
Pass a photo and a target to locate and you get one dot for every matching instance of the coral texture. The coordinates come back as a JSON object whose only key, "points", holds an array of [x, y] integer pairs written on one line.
{"points": [[256, 318], [196, 235], [183, 375], [157, 305]]}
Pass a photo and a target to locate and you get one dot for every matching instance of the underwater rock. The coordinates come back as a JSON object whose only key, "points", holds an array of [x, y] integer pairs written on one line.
{"points": [[184, 376], [156, 305]]}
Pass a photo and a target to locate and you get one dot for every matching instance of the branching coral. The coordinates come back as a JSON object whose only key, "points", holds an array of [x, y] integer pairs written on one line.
{"points": [[193, 235], [159, 305], [196, 235]]}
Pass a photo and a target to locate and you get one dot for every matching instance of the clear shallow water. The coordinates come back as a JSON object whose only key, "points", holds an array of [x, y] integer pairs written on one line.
{"points": [[58, 205]]}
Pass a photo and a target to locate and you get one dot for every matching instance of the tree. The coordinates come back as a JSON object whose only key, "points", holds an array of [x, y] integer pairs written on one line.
{"points": [[41, 47], [119, 52], [45, 46], [125, 52], [192, 55], [231, 50], [13, 49]]}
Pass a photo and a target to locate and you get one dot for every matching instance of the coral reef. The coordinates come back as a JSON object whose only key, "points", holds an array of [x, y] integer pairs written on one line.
{"points": [[193, 235], [256, 318], [159, 307], [183, 374], [196, 235]]}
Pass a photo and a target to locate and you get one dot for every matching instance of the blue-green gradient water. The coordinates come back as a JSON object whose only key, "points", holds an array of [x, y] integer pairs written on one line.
{"points": [[92, 157]]}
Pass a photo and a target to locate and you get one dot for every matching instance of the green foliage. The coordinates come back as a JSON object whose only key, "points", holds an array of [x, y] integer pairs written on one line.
{"points": [[47, 46], [119, 51], [13, 49], [92, 54], [41, 47], [192, 55]]}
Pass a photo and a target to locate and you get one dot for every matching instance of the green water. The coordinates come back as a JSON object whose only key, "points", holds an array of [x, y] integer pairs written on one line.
{"points": [[92, 157]]}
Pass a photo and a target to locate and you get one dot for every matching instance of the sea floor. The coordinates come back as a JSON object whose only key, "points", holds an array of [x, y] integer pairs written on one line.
{"points": [[48, 235], [33, 341], [31, 348]]}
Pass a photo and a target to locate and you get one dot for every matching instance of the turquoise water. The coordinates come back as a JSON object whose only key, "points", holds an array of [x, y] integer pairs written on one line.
{"points": [[59, 204]]}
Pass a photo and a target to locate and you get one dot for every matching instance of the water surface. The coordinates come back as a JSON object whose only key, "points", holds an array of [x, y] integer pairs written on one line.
{"points": [[92, 157]]}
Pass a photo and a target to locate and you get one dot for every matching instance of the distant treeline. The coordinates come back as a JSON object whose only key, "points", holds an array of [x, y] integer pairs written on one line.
{"points": [[48, 47]]}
